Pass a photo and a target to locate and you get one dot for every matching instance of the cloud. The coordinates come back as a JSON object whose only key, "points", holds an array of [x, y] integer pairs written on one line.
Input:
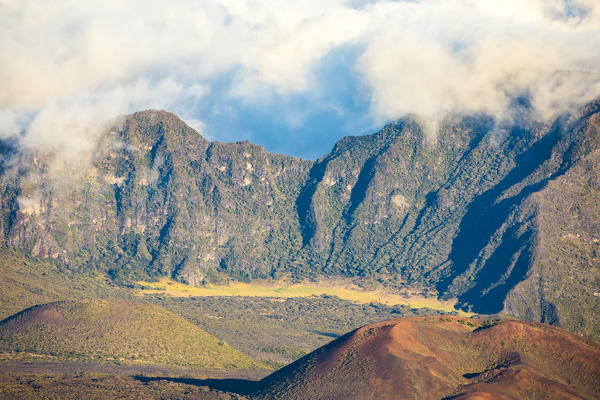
{"points": [[480, 56], [67, 67], [70, 124]]}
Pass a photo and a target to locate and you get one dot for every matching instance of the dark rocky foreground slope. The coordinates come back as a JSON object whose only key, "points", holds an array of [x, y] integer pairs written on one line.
{"points": [[506, 219], [444, 357]]}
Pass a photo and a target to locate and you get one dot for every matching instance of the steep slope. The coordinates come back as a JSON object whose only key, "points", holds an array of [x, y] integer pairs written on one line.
{"points": [[373, 192], [158, 199], [442, 357], [397, 211], [477, 212], [565, 272], [129, 332], [466, 215]]}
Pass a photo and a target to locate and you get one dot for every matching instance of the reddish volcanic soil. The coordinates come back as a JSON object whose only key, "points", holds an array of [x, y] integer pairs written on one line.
{"points": [[31, 316], [444, 358]]}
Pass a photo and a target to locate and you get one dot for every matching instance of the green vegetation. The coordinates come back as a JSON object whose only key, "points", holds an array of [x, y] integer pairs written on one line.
{"points": [[26, 281], [260, 250], [566, 272], [278, 331], [488, 216], [273, 330], [116, 331]]}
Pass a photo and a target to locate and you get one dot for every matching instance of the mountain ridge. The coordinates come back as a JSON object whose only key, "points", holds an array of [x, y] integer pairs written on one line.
{"points": [[457, 215]]}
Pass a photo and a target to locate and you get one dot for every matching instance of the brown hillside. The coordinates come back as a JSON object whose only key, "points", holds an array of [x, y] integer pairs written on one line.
{"points": [[444, 357]]}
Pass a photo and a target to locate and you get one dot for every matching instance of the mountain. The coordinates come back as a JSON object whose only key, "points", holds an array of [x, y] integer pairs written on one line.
{"points": [[504, 218], [158, 199], [115, 331], [444, 357]]}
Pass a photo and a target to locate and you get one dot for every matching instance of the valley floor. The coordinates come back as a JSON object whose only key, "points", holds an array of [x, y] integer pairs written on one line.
{"points": [[110, 386], [82, 368], [343, 289], [273, 322], [77, 380]]}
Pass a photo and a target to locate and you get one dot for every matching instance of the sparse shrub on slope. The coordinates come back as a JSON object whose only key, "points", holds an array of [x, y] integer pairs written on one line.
{"points": [[116, 331]]}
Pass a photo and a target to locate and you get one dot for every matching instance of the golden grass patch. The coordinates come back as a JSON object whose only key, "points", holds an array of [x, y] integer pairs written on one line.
{"points": [[284, 290]]}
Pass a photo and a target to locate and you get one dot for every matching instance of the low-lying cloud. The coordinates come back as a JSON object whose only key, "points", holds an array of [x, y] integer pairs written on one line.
{"points": [[67, 67]]}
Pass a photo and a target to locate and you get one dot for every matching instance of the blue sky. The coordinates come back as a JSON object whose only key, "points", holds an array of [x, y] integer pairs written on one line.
{"points": [[302, 124], [292, 76]]}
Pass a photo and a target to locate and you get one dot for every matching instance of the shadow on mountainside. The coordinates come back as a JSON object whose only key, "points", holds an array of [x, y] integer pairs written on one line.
{"points": [[239, 386], [484, 216], [304, 200]]}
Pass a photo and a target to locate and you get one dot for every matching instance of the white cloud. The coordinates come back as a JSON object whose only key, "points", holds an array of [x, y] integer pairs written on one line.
{"points": [[69, 124], [72, 65], [473, 56], [199, 126]]}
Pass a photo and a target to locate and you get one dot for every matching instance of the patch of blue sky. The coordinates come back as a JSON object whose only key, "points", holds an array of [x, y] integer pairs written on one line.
{"points": [[305, 124]]}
